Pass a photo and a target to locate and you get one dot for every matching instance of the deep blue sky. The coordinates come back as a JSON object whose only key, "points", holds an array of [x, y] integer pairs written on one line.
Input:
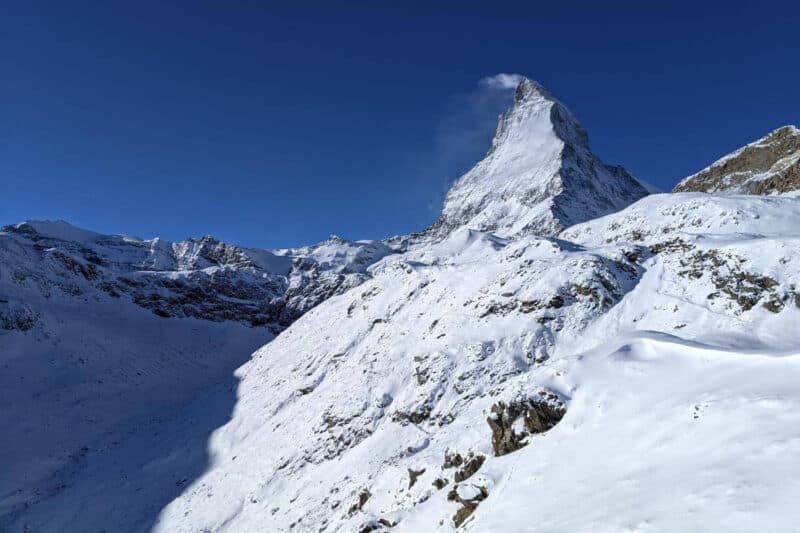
{"points": [[276, 126]]}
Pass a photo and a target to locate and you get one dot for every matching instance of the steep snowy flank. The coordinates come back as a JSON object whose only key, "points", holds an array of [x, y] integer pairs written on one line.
{"points": [[539, 175], [431, 398], [103, 337], [767, 166], [328, 268]]}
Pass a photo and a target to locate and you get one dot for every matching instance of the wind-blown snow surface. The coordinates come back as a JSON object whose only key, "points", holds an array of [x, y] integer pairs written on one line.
{"points": [[668, 331]]}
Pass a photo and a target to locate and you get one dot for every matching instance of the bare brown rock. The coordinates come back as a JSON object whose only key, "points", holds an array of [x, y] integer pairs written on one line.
{"points": [[767, 166], [538, 415], [413, 476], [439, 483], [468, 506], [470, 467]]}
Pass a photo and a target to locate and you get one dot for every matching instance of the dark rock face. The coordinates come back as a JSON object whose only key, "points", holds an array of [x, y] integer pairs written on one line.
{"points": [[466, 466], [440, 483], [16, 317], [210, 251], [472, 465], [767, 166], [452, 460], [538, 415], [413, 476], [468, 505], [218, 296]]}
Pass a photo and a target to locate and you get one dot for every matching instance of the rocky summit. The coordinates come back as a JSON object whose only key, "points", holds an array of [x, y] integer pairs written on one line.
{"points": [[539, 175], [769, 165], [561, 351]]}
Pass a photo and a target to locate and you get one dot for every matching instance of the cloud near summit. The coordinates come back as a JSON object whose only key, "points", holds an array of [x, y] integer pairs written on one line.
{"points": [[501, 81]]}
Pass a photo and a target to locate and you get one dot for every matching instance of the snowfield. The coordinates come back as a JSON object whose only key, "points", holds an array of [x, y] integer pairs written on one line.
{"points": [[661, 434], [560, 352]]}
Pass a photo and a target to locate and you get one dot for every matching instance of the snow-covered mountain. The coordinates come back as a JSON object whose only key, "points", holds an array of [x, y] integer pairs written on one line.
{"points": [[526, 364], [201, 278], [766, 166], [409, 401], [539, 176], [104, 335]]}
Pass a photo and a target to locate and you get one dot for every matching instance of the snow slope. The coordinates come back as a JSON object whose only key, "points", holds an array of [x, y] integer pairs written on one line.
{"points": [[673, 352], [662, 434], [104, 337]]}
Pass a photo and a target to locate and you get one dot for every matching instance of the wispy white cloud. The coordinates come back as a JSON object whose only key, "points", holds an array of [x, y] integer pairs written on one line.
{"points": [[464, 132], [501, 81]]}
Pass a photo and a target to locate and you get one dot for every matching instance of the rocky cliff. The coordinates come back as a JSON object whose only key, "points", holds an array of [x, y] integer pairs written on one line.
{"points": [[770, 165]]}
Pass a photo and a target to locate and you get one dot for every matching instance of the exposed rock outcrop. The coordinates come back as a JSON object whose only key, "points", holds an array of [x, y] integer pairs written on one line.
{"points": [[537, 415], [769, 165], [469, 497]]}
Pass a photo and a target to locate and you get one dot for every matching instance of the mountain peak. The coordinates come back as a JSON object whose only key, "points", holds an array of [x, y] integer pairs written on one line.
{"points": [[54, 229], [539, 175], [530, 95], [528, 89], [767, 166]]}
